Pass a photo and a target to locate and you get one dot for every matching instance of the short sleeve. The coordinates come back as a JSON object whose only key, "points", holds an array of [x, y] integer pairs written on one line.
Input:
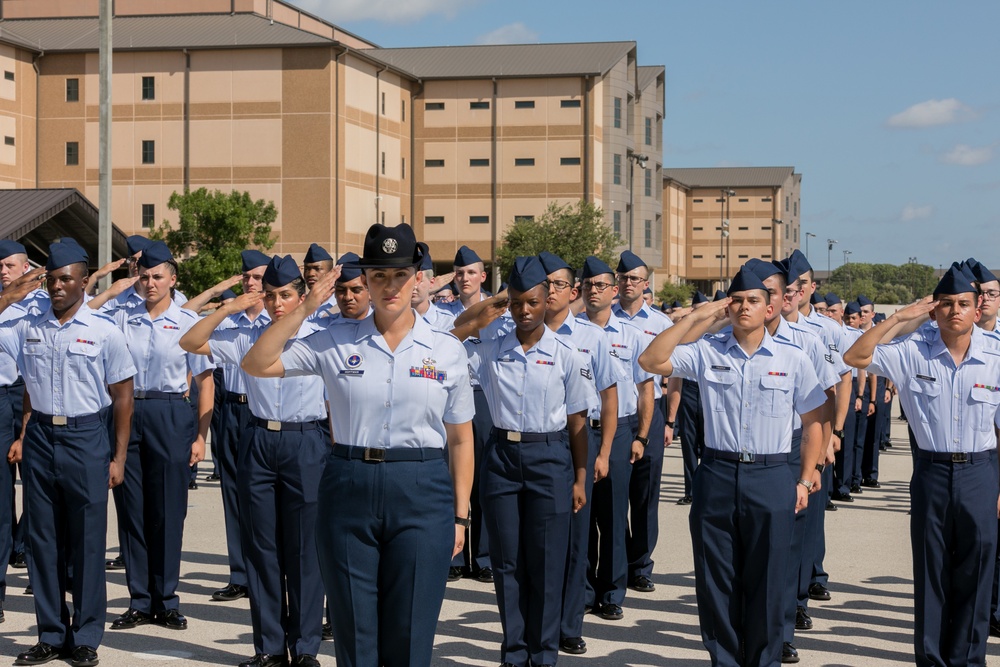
{"points": [[12, 336], [580, 393], [459, 406], [300, 358], [223, 348], [117, 359], [686, 361], [809, 393], [606, 373], [888, 361], [478, 351], [199, 363]]}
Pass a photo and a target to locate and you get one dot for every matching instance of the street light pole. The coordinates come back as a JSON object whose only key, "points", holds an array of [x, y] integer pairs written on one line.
{"points": [[104, 140], [808, 234], [847, 263], [723, 234], [829, 251], [633, 159]]}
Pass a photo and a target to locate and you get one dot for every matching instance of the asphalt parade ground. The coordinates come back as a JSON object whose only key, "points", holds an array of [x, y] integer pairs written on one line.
{"points": [[868, 621]]}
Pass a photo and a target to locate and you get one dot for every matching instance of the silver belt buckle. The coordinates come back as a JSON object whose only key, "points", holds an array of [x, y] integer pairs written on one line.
{"points": [[747, 457], [140, 395], [595, 424], [959, 457], [374, 455], [273, 426], [513, 436], [59, 420]]}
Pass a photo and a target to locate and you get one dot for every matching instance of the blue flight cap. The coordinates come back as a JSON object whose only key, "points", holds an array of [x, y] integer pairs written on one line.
{"points": [[762, 269], [281, 271], [349, 269], [676, 304], [966, 270], [445, 288], [864, 301], [954, 281], [69, 240], [527, 273], [816, 299], [8, 248], [136, 243], [698, 298], [253, 259], [831, 299], [390, 248], [719, 294], [879, 317], [228, 294], [983, 275], [647, 291], [426, 263], [466, 256], [628, 261], [853, 308], [154, 254], [64, 254], [552, 263], [594, 266], [797, 265], [316, 253], [745, 280]]}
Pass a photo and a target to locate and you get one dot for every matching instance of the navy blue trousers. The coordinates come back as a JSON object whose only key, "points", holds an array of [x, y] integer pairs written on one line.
{"points": [[693, 436], [815, 573], [527, 503], [15, 394], [608, 555], [218, 407], [476, 554], [953, 533], [153, 501], [860, 432], [576, 588], [843, 466], [66, 496], [9, 430], [235, 429], [279, 476], [741, 523], [797, 547], [385, 533], [644, 503], [873, 436]]}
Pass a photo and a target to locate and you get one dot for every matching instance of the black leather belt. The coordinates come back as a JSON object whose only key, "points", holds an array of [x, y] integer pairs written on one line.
{"points": [[271, 425], [956, 457], [235, 398], [518, 436], [376, 455], [744, 457], [595, 424], [160, 395], [59, 420]]}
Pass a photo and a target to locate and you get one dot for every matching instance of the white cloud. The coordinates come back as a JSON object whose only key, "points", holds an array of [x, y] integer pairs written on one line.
{"points": [[512, 33], [389, 11], [913, 212], [932, 112], [968, 156]]}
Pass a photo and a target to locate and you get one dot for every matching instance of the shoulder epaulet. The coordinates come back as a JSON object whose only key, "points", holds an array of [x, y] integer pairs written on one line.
{"points": [[787, 343], [104, 317]]}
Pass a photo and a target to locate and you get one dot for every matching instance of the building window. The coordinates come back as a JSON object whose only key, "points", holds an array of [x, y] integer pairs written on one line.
{"points": [[434, 220], [744, 201], [744, 229], [479, 219], [617, 223], [148, 88], [524, 162], [402, 167], [72, 90], [148, 215], [765, 228], [434, 106], [383, 163], [8, 141], [479, 162], [72, 153], [569, 161], [524, 104], [524, 218], [786, 204], [569, 104], [148, 152], [8, 75], [649, 131], [617, 174], [648, 235], [697, 229], [648, 183], [795, 236], [697, 201], [479, 105], [433, 163], [795, 208], [765, 257], [766, 200], [697, 256], [719, 200], [618, 112], [744, 256], [402, 110], [383, 104], [383, 217]]}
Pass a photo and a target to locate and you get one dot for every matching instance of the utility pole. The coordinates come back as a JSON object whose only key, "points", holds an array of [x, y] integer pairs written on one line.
{"points": [[104, 132]]}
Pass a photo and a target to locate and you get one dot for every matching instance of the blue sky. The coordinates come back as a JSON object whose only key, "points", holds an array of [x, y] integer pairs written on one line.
{"points": [[890, 109]]}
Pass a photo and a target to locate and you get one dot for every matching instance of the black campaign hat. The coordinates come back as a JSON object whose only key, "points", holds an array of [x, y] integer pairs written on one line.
{"points": [[764, 270], [154, 254], [797, 265], [864, 301], [983, 275], [831, 299], [390, 248], [526, 273], [745, 280], [281, 271], [852, 308], [228, 294], [317, 253], [426, 263], [719, 294], [676, 304]]}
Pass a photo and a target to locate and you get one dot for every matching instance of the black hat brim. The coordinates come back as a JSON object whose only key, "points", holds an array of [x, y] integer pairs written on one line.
{"points": [[386, 263]]}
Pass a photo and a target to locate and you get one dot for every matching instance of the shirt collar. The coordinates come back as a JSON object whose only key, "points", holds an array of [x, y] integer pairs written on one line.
{"points": [[546, 344], [421, 334], [568, 325], [730, 342], [976, 346]]}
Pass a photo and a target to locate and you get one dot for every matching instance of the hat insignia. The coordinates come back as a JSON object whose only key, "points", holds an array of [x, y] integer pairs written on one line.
{"points": [[389, 246]]}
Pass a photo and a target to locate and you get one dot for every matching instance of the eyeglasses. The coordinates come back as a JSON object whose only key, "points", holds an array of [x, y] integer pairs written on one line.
{"points": [[991, 294], [631, 279], [597, 287], [560, 285]]}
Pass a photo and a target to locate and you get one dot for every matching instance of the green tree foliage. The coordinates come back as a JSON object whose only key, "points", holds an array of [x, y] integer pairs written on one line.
{"points": [[669, 292], [213, 228], [573, 232], [882, 283]]}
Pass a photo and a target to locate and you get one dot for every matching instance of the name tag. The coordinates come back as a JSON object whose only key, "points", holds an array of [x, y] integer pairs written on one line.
{"points": [[926, 377], [722, 368], [352, 371]]}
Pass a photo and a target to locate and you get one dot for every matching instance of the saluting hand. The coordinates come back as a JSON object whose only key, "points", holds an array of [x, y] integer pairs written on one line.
{"points": [[918, 310], [441, 281], [24, 285], [321, 291], [118, 287], [244, 301]]}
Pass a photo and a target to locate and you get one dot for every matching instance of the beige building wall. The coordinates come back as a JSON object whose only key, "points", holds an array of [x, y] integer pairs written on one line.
{"points": [[675, 231], [18, 111], [618, 116], [647, 186]]}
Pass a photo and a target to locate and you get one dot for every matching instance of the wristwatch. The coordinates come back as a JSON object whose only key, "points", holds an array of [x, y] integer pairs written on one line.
{"points": [[821, 467], [670, 424], [839, 434], [806, 483], [641, 440], [463, 522]]}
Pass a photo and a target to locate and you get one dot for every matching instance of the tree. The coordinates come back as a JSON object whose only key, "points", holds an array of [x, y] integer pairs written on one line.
{"points": [[670, 292], [572, 231], [213, 228], [882, 283]]}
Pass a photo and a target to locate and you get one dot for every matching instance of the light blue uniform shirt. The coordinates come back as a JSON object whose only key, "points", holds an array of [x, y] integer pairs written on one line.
{"points": [[831, 335], [161, 364], [849, 336], [288, 399], [233, 376], [748, 401], [37, 302], [949, 409], [66, 367], [807, 339], [439, 318], [8, 367], [650, 322], [130, 298], [326, 316], [385, 399], [533, 391], [595, 352], [626, 343]]}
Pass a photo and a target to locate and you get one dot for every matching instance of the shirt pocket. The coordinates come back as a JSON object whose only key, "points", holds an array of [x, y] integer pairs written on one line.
{"points": [[926, 395], [36, 364], [82, 358], [984, 402], [776, 395], [719, 383]]}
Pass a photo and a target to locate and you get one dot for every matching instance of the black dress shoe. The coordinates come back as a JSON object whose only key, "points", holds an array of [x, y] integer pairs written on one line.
{"points": [[39, 654], [610, 612], [132, 618], [994, 627], [117, 563], [192, 485], [843, 497], [229, 593], [19, 561], [856, 488], [264, 660], [642, 584], [802, 620], [28, 590], [819, 592], [789, 654], [2, 617], [327, 635], [454, 573], [306, 661], [830, 507], [686, 500], [212, 478], [83, 656], [485, 575], [171, 619], [573, 645], [871, 483]]}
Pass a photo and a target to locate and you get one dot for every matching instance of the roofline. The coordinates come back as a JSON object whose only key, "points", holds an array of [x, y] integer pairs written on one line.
{"points": [[317, 18], [480, 46]]}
